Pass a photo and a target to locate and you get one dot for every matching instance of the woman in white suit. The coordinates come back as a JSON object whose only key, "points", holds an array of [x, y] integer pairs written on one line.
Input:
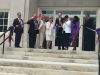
{"points": [[49, 32], [42, 29]]}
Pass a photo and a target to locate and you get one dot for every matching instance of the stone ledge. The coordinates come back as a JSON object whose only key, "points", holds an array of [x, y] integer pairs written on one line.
{"points": [[93, 56], [2, 73], [49, 51], [50, 65], [66, 60], [38, 71]]}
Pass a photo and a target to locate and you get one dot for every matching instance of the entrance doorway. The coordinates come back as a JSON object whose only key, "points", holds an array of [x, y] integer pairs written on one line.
{"points": [[71, 13]]}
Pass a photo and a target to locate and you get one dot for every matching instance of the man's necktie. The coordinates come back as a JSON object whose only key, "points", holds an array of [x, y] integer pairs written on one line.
{"points": [[20, 21], [36, 25]]}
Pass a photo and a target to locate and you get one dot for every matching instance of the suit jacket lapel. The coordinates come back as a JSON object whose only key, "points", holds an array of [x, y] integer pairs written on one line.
{"points": [[18, 20]]}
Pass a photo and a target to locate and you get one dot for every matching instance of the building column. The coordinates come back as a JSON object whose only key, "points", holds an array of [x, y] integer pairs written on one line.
{"points": [[14, 9], [26, 17], [29, 10], [97, 26]]}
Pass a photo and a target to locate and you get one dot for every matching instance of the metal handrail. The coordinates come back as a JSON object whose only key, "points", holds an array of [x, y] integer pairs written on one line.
{"points": [[4, 33], [3, 42]]}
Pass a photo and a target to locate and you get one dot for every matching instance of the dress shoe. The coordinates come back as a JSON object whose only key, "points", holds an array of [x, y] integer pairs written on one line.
{"points": [[18, 47], [59, 48]]}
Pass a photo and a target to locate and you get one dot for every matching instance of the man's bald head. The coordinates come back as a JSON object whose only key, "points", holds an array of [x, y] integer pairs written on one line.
{"points": [[34, 15], [59, 15]]}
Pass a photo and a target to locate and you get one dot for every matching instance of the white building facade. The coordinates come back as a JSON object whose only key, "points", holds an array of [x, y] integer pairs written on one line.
{"points": [[9, 9]]}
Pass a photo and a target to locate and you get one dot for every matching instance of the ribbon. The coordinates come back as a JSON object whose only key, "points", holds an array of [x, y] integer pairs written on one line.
{"points": [[40, 15], [33, 18], [90, 29], [56, 28], [11, 29], [97, 40], [75, 36], [97, 31]]}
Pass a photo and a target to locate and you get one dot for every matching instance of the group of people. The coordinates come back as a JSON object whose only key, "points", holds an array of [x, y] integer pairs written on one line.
{"points": [[63, 27]]}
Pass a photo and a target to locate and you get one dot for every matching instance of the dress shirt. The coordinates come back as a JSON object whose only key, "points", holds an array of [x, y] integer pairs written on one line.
{"points": [[88, 18], [20, 21], [59, 19], [67, 26], [36, 24]]}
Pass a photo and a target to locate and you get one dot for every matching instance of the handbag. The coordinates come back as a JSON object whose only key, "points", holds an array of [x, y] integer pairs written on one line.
{"points": [[37, 31]]}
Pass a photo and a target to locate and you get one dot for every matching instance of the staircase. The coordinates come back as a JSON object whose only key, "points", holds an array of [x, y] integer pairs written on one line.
{"points": [[24, 61]]}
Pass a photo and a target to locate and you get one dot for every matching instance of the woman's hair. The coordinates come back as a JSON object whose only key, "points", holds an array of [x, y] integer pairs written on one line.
{"points": [[43, 17], [66, 17], [50, 17], [76, 19]]}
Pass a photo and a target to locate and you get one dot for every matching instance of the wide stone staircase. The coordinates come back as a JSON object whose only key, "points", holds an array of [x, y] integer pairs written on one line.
{"points": [[25, 61]]}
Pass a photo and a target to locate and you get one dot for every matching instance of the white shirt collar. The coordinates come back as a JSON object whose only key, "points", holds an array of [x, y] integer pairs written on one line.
{"points": [[88, 18], [19, 18]]}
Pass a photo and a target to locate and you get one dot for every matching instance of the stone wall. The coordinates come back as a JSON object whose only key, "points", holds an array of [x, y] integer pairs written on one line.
{"points": [[13, 6], [64, 3], [27, 8], [5, 4]]}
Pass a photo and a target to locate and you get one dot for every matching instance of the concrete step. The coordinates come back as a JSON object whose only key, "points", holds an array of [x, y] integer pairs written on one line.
{"points": [[50, 65], [74, 56], [52, 59], [2, 73], [51, 51], [38, 71]]}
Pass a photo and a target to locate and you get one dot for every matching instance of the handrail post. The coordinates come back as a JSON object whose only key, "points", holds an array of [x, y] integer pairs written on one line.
{"points": [[99, 57], [3, 44], [10, 44], [10, 40]]}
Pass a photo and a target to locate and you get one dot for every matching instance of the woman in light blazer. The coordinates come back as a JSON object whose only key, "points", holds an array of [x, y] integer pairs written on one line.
{"points": [[49, 32], [42, 29]]}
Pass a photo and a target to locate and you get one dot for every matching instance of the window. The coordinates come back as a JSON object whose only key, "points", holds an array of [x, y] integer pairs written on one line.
{"points": [[69, 12], [90, 12], [3, 21], [47, 11]]}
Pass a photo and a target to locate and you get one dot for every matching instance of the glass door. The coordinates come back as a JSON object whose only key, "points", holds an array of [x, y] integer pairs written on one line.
{"points": [[70, 38], [93, 35], [71, 13]]}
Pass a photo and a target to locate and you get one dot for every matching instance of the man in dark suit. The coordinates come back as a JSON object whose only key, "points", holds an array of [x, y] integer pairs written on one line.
{"points": [[33, 26], [88, 33], [18, 29], [58, 22]]}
